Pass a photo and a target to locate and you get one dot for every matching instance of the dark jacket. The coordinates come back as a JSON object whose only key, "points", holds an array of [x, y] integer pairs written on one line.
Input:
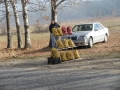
{"points": [[55, 25]]}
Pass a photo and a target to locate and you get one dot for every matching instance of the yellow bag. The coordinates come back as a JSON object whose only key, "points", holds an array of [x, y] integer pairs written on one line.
{"points": [[70, 43], [65, 43], [55, 53], [76, 54], [63, 56], [52, 51], [69, 55], [60, 44], [60, 31], [55, 32]]}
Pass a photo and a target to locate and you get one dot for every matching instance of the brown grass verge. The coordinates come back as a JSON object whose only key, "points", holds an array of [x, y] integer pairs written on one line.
{"points": [[40, 46]]}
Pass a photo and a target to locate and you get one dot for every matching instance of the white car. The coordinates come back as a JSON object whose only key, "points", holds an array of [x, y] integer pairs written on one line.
{"points": [[88, 34]]}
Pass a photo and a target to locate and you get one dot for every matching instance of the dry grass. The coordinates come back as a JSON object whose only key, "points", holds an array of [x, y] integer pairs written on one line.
{"points": [[40, 44]]}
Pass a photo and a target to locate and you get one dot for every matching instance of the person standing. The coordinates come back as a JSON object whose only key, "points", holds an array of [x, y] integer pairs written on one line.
{"points": [[52, 37]]}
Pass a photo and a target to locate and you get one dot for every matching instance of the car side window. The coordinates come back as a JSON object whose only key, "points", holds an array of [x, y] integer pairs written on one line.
{"points": [[99, 26], [75, 28], [85, 27], [96, 27]]}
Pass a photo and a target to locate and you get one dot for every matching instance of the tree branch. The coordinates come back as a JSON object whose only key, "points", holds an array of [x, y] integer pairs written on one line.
{"points": [[59, 3]]}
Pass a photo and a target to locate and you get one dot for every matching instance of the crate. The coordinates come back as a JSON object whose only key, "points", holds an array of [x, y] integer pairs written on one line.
{"points": [[53, 60], [50, 60]]}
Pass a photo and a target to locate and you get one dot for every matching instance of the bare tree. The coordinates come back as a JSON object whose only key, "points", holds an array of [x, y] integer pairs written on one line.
{"points": [[17, 23], [26, 24], [9, 35], [55, 4]]}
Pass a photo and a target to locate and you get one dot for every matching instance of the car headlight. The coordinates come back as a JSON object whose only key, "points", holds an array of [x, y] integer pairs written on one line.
{"points": [[85, 37], [81, 38]]}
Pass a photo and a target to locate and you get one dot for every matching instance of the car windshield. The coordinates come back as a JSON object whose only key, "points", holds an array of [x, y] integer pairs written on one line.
{"points": [[83, 27]]}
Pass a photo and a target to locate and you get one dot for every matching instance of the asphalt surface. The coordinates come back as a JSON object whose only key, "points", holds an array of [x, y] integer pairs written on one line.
{"points": [[81, 74]]}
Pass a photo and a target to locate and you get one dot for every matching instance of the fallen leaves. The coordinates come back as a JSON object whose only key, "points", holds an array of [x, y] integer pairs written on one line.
{"points": [[40, 48]]}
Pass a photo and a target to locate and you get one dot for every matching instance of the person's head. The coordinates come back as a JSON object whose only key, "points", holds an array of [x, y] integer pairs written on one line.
{"points": [[52, 22]]}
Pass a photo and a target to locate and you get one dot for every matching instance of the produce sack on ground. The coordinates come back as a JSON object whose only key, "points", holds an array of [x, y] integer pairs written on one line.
{"points": [[55, 53], [63, 56], [52, 51], [69, 55], [76, 54]]}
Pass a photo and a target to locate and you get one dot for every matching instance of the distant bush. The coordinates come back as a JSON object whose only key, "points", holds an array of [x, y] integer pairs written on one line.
{"points": [[40, 29], [3, 29]]}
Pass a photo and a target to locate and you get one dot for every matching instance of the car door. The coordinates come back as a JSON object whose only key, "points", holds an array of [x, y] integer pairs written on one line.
{"points": [[101, 31], [97, 33]]}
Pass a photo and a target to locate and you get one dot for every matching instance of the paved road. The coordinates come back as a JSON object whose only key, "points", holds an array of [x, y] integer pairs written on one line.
{"points": [[95, 74]]}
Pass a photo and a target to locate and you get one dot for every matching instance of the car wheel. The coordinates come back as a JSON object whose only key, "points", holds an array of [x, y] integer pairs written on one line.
{"points": [[90, 42], [105, 38]]}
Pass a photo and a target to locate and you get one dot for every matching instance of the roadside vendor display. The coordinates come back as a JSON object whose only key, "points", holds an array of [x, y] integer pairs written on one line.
{"points": [[64, 48]]}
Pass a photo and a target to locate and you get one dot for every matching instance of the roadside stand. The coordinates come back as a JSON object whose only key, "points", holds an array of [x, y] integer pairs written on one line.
{"points": [[64, 50]]}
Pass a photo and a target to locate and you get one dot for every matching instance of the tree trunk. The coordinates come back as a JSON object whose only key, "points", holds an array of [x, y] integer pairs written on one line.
{"points": [[26, 25], [53, 16], [53, 11], [17, 23], [9, 35]]}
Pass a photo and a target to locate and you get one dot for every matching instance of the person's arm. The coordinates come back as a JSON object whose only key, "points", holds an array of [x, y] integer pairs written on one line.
{"points": [[57, 25]]}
